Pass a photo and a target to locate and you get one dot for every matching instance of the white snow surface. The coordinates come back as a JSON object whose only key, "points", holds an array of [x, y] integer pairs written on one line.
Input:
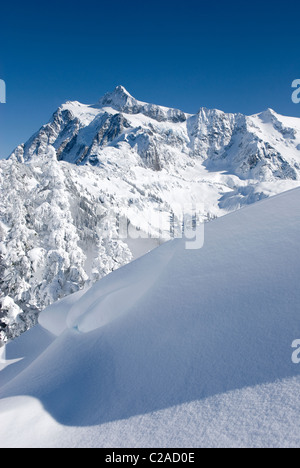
{"points": [[180, 348]]}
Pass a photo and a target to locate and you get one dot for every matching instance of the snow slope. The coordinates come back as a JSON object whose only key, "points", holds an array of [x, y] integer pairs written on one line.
{"points": [[180, 348], [122, 157]]}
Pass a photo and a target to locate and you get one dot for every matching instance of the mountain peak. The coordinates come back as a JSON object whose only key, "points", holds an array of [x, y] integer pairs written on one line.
{"points": [[119, 98], [120, 90]]}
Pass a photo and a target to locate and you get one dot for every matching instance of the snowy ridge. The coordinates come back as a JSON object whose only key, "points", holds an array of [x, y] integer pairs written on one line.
{"points": [[262, 146], [198, 355], [60, 191]]}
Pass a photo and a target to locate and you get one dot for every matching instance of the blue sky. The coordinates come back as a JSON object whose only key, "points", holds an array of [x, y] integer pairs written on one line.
{"points": [[235, 56]]}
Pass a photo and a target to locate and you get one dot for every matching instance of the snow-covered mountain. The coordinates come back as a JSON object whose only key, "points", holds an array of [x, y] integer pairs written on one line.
{"points": [[180, 348], [62, 191], [257, 147]]}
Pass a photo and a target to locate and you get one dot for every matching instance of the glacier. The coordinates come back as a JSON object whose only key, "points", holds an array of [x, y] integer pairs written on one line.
{"points": [[61, 191]]}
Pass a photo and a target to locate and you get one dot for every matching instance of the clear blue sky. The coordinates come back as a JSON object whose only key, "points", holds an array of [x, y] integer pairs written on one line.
{"points": [[235, 56]]}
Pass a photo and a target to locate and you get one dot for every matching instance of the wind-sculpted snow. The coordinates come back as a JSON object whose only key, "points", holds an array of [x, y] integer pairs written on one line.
{"points": [[180, 348], [61, 192]]}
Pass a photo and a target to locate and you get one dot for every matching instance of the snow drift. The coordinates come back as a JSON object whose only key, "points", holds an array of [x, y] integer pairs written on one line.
{"points": [[178, 348]]}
